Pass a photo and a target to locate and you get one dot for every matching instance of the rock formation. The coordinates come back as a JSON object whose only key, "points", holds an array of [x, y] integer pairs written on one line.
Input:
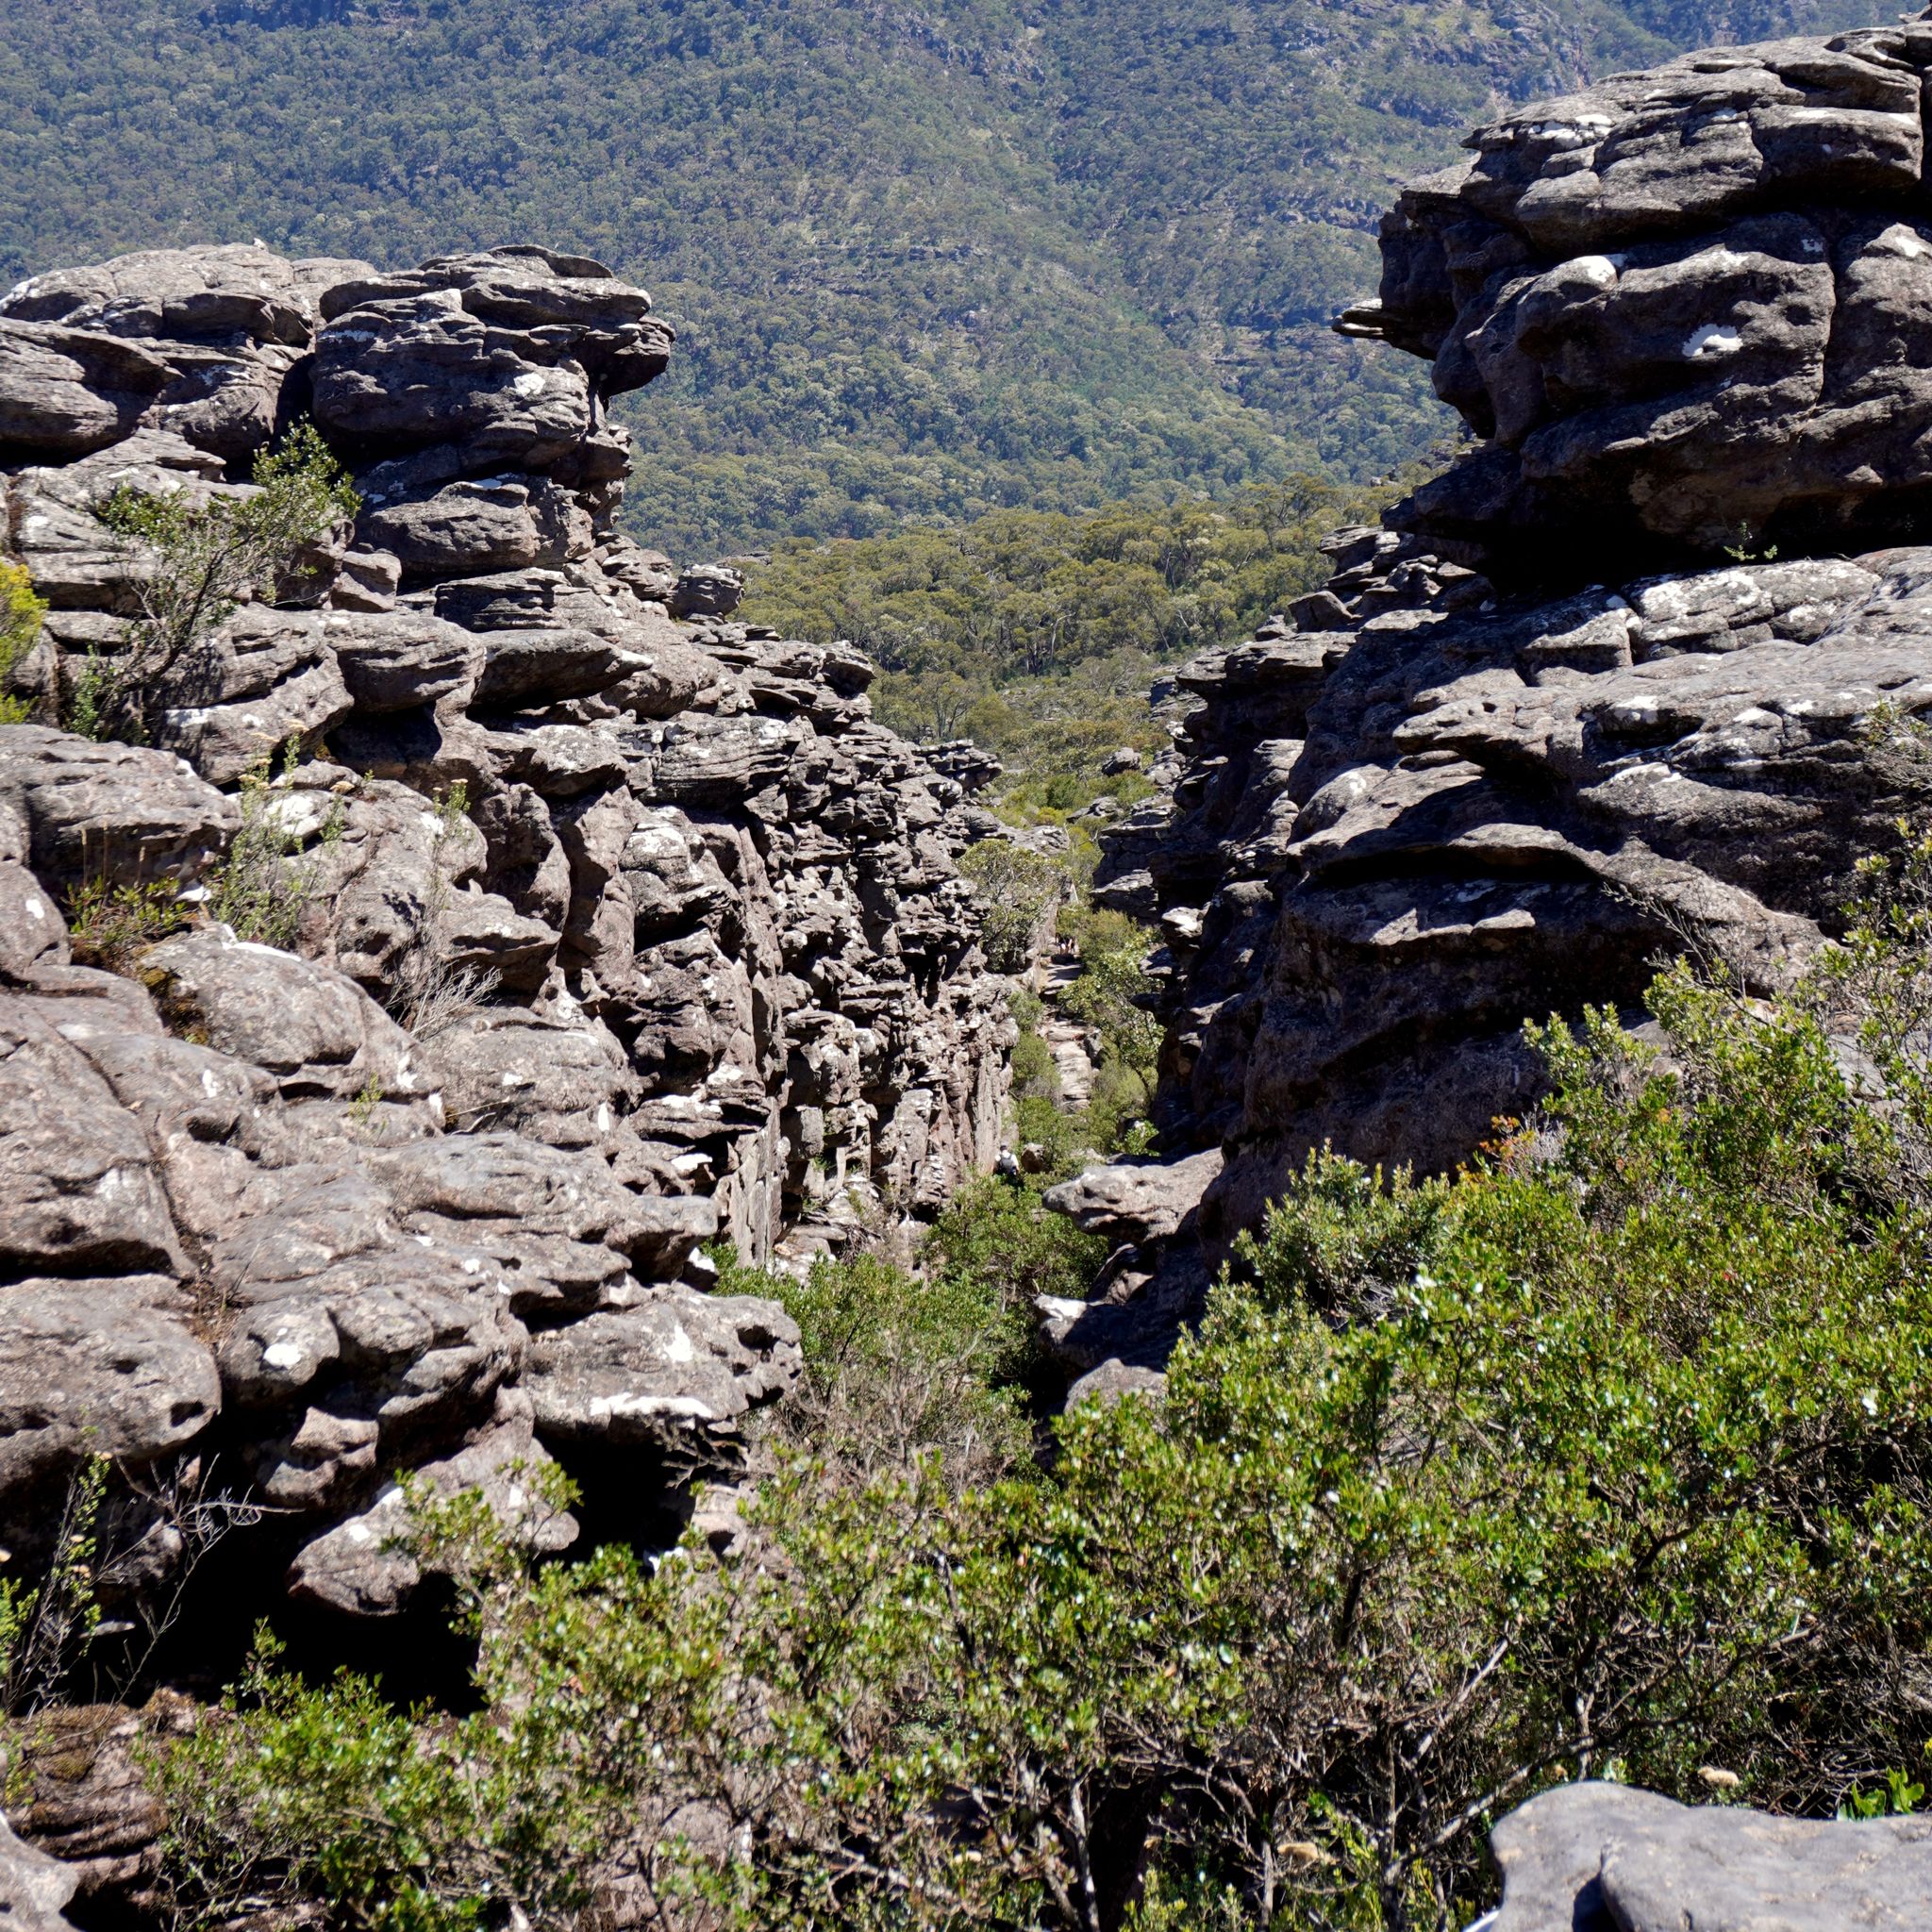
{"points": [[622, 926], [1682, 308], [1540, 731], [1602, 1858]]}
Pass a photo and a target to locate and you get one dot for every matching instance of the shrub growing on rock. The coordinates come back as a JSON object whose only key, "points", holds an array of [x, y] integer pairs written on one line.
{"points": [[198, 561], [1610, 1456], [21, 612]]}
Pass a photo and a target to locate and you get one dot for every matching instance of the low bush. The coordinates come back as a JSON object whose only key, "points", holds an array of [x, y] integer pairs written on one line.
{"points": [[1610, 1456], [195, 563], [1019, 892], [261, 888]]}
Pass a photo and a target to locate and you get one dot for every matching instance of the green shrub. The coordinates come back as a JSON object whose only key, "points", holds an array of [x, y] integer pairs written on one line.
{"points": [[996, 1236], [197, 563], [898, 1367], [1343, 1238], [1036, 1074], [1018, 892], [260, 889], [21, 612], [1611, 1457], [110, 925]]}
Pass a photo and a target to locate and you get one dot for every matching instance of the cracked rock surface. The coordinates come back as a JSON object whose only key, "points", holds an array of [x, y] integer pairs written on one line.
{"points": [[622, 927], [1540, 731]]}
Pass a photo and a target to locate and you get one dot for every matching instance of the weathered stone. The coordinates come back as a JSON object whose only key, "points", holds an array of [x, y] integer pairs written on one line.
{"points": [[391, 662], [109, 811], [707, 590], [265, 678], [186, 295], [652, 890], [361, 1567], [313, 1028], [505, 1066], [1619, 292], [676, 1372], [99, 1367], [1603, 1858], [466, 529], [1137, 1200], [92, 1805], [64, 392], [34, 1888], [82, 1194]]}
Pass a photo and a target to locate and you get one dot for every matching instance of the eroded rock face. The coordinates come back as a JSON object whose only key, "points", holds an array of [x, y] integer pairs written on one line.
{"points": [[619, 927], [1681, 306], [1601, 1857], [1510, 756]]}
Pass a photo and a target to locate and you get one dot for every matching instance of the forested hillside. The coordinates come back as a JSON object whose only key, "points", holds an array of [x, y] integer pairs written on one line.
{"points": [[1037, 634], [925, 261]]}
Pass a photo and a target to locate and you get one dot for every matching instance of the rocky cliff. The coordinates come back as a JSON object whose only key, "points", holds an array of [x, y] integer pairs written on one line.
{"points": [[612, 925], [1615, 685]]}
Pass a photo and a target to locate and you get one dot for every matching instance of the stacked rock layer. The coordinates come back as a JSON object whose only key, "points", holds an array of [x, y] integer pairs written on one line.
{"points": [[1684, 308], [623, 926], [1508, 759]]}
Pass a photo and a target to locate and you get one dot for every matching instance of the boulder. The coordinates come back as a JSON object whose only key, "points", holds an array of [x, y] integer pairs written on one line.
{"points": [[34, 1888], [65, 392], [617, 926], [93, 1805], [707, 590], [313, 1028], [215, 294], [1137, 1200], [363, 1567], [117, 812], [1631, 292], [1603, 1858], [82, 1192], [394, 661], [676, 1372]]}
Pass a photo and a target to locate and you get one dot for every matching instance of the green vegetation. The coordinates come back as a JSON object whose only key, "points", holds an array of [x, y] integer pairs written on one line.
{"points": [[1037, 634], [45, 1627], [924, 264], [1112, 996], [1612, 1456], [110, 925], [1019, 893], [903, 1368], [198, 560], [21, 612], [261, 887]]}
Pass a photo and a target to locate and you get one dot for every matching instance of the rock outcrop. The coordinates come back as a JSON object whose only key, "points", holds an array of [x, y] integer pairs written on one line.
{"points": [[1682, 309], [1539, 732], [613, 925], [1602, 1858]]}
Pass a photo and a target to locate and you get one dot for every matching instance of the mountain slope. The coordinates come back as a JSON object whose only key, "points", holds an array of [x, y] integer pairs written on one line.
{"points": [[924, 259]]}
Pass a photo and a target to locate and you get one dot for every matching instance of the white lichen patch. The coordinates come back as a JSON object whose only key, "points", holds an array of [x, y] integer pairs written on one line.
{"points": [[1713, 339]]}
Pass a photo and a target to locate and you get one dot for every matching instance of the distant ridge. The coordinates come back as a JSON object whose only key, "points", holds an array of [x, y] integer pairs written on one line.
{"points": [[923, 259]]}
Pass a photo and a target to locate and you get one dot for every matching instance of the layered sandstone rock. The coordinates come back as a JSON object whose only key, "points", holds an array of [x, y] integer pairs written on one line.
{"points": [[1511, 756], [1605, 1857], [1682, 309], [624, 927]]}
